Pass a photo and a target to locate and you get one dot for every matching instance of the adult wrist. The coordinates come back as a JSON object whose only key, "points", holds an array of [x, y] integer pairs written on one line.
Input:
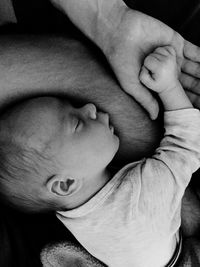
{"points": [[109, 17]]}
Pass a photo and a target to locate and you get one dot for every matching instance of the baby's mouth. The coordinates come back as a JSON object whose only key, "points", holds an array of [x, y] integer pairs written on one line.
{"points": [[106, 120], [111, 128]]}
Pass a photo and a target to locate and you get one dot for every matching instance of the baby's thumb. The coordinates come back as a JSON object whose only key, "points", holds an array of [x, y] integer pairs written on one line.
{"points": [[145, 77], [142, 95]]}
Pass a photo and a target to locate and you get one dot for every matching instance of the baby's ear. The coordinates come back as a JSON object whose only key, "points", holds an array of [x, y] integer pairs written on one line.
{"points": [[62, 185]]}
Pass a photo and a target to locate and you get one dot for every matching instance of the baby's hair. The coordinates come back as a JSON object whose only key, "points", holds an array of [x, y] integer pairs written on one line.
{"points": [[20, 177], [20, 168]]}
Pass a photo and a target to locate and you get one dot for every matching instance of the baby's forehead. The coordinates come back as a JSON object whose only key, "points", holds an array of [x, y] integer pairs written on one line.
{"points": [[35, 121], [34, 111]]}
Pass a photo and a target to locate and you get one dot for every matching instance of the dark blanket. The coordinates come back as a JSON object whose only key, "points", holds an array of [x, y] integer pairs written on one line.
{"points": [[66, 254], [190, 256]]}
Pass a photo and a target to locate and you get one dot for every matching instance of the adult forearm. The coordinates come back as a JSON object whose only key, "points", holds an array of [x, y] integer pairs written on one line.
{"points": [[32, 65], [95, 18]]}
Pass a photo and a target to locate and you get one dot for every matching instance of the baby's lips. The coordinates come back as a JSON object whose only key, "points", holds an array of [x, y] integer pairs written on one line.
{"points": [[104, 118]]}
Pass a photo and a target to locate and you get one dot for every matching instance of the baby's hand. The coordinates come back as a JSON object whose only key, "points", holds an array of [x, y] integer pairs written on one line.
{"points": [[159, 71]]}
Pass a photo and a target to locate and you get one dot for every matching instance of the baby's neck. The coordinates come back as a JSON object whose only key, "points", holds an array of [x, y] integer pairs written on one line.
{"points": [[96, 184], [91, 187]]}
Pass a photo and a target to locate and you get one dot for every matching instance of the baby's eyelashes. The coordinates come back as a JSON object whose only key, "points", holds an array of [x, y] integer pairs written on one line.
{"points": [[78, 124]]}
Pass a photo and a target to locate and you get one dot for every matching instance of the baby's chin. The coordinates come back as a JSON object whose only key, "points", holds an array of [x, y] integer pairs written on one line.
{"points": [[117, 140], [116, 148]]}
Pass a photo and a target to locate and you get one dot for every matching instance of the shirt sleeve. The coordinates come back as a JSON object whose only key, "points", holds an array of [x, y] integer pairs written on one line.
{"points": [[165, 176]]}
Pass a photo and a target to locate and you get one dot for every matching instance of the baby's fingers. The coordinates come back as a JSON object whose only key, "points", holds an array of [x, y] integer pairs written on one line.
{"points": [[142, 95], [152, 61], [146, 77], [165, 50]]}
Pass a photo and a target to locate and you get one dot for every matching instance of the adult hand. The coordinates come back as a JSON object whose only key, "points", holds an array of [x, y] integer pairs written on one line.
{"points": [[126, 36], [135, 36]]}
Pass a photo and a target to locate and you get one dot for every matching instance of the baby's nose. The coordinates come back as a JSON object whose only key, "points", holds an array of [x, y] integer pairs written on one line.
{"points": [[90, 110]]}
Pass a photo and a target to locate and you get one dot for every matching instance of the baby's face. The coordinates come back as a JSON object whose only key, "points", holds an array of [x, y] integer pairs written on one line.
{"points": [[79, 140]]}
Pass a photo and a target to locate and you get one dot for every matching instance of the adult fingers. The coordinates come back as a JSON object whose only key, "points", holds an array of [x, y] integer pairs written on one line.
{"points": [[190, 83], [194, 98], [191, 51], [191, 67]]}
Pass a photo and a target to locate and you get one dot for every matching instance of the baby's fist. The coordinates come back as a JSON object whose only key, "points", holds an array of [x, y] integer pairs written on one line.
{"points": [[159, 71]]}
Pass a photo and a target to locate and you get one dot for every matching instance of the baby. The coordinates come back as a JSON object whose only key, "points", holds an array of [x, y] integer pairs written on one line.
{"points": [[54, 158]]}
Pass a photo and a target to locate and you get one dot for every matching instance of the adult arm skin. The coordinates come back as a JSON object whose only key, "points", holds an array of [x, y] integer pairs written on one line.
{"points": [[42, 65], [126, 36]]}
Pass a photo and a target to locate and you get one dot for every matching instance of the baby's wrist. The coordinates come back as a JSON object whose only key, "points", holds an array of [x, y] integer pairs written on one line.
{"points": [[175, 98], [173, 86]]}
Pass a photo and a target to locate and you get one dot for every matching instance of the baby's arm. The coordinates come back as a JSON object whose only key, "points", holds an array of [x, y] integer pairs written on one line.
{"points": [[160, 74], [167, 173]]}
